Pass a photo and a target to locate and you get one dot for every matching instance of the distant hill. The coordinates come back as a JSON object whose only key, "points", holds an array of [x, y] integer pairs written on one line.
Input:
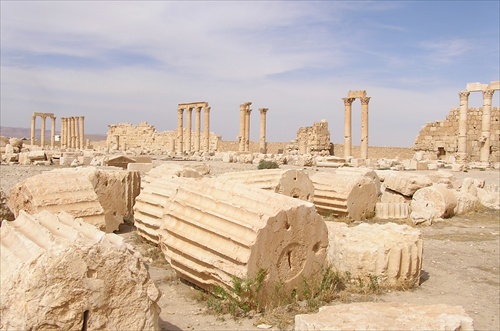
{"points": [[26, 133]]}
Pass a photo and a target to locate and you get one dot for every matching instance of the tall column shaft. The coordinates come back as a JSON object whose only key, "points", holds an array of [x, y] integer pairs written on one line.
{"points": [[197, 128], [462, 125], [206, 121], [262, 144], [73, 132], [180, 119], [242, 134], [42, 133], [53, 132], [33, 129], [347, 126], [364, 127], [69, 132], [188, 129], [247, 128], [82, 132], [486, 125]]}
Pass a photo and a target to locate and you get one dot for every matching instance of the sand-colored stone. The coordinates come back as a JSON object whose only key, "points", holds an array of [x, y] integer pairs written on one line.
{"points": [[392, 210], [60, 273], [101, 197], [383, 316], [170, 169], [404, 183], [353, 196], [290, 182], [432, 202], [213, 231], [391, 253], [313, 139]]}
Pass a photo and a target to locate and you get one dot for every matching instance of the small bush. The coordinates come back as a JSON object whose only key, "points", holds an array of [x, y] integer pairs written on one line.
{"points": [[263, 164]]}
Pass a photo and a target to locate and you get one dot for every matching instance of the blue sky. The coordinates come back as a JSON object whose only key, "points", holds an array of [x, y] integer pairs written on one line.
{"points": [[131, 62]]}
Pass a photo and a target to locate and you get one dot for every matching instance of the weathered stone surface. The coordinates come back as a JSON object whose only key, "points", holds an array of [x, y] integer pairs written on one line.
{"points": [[290, 182], [442, 177], [120, 161], [341, 194], [406, 184], [432, 202], [466, 203], [213, 231], [5, 212], [390, 196], [59, 273], [37, 155], [390, 252], [170, 169], [101, 197], [386, 316], [364, 171], [392, 210]]}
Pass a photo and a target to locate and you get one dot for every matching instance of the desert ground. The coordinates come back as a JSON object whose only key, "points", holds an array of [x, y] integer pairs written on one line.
{"points": [[461, 265]]}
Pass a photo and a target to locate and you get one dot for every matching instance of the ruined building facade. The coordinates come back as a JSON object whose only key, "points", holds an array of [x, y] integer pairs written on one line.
{"points": [[314, 139], [439, 140], [145, 138]]}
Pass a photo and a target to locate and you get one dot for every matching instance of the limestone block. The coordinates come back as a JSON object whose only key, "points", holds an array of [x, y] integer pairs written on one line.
{"points": [[404, 183], [11, 157], [213, 231], [364, 171], [142, 168], [290, 182], [494, 85], [466, 203], [386, 316], [390, 252], [341, 194], [59, 273], [9, 149], [392, 210], [23, 158], [489, 198], [37, 155], [442, 177], [476, 87], [16, 143], [431, 203], [389, 196], [168, 170], [101, 197], [356, 94]]}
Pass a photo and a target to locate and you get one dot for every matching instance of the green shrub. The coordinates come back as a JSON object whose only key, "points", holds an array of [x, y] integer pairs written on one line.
{"points": [[263, 164]]}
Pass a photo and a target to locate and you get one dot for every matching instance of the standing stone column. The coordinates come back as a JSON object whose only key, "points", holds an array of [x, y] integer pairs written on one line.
{"points": [[33, 129], [242, 135], [347, 126], [82, 136], [53, 133], [462, 126], [364, 127], [486, 125], [42, 133], [206, 122], [73, 132], [188, 128], [180, 119], [61, 140], [197, 133], [247, 126], [70, 132], [262, 145]]}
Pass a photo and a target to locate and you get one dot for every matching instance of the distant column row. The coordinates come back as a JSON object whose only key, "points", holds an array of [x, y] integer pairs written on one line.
{"points": [[187, 146], [72, 132], [43, 116]]}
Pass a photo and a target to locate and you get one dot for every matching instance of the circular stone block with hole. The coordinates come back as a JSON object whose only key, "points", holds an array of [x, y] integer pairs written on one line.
{"points": [[213, 231]]}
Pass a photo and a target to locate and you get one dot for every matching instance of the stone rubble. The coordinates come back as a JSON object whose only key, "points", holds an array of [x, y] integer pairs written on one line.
{"points": [[71, 276]]}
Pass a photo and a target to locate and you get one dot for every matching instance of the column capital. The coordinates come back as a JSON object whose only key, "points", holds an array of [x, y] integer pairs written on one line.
{"points": [[488, 94], [207, 110], [180, 111], [365, 100], [198, 109], [82, 117], [464, 95], [348, 101], [263, 110]]}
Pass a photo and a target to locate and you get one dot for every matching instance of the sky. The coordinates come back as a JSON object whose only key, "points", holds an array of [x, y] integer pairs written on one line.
{"points": [[131, 62]]}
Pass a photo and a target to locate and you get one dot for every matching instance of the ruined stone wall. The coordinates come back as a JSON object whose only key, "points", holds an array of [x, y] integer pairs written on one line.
{"points": [[314, 138], [144, 138], [439, 140]]}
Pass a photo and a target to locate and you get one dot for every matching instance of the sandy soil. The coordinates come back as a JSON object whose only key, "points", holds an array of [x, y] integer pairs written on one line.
{"points": [[460, 267]]}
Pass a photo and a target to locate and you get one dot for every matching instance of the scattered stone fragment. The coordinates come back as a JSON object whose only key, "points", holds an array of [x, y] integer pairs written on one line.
{"points": [[59, 273], [404, 183], [352, 195], [432, 202], [386, 316], [390, 254], [290, 182]]}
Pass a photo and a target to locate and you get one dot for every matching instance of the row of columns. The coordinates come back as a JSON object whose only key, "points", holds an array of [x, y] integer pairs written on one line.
{"points": [[197, 127], [73, 132], [462, 154], [348, 123], [244, 136], [43, 116]]}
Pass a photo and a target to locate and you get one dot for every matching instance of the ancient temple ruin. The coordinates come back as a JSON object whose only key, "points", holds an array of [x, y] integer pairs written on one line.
{"points": [[351, 96], [467, 134], [314, 139]]}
